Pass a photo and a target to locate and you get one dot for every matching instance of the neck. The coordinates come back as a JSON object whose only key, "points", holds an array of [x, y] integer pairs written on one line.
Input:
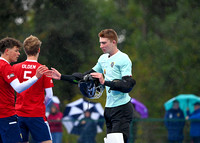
{"points": [[113, 52], [32, 58], [6, 58]]}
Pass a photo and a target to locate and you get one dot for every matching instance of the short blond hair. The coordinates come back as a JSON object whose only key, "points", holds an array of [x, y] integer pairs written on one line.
{"points": [[31, 45]]}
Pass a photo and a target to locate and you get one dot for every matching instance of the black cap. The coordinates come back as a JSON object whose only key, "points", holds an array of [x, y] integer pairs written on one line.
{"points": [[197, 103], [175, 101]]}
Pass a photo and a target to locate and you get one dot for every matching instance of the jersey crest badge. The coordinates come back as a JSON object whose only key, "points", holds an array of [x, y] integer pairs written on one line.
{"points": [[112, 64]]}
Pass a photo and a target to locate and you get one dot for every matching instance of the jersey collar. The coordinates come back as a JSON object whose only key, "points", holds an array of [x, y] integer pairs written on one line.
{"points": [[109, 57], [4, 60], [31, 60]]}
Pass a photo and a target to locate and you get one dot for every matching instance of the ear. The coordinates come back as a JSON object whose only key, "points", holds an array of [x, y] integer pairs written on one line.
{"points": [[39, 50], [114, 42], [6, 51]]}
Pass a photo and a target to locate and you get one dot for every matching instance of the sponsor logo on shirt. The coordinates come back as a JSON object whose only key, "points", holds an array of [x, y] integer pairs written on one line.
{"points": [[11, 75]]}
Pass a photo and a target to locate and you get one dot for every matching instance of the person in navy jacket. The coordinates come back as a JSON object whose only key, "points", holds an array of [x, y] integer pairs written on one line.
{"points": [[175, 122], [195, 123]]}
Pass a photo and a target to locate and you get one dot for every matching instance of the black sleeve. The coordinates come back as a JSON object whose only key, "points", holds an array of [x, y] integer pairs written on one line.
{"points": [[75, 77], [124, 85], [69, 78], [88, 72]]}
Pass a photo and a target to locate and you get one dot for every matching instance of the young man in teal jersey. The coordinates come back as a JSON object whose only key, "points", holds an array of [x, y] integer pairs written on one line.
{"points": [[116, 67], [114, 64]]}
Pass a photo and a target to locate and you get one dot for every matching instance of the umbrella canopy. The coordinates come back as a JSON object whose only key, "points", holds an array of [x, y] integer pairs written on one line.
{"points": [[140, 108], [74, 112], [56, 100], [185, 101]]}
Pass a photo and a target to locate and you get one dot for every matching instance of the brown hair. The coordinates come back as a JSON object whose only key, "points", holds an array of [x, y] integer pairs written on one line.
{"points": [[31, 45], [9, 42], [109, 33]]}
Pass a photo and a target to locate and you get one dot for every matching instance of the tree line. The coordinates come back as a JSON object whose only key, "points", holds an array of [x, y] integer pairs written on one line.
{"points": [[160, 37]]}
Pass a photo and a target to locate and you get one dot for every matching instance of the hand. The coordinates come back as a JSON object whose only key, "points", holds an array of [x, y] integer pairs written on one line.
{"points": [[83, 122], [53, 73], [40, 71], [99, 76]]}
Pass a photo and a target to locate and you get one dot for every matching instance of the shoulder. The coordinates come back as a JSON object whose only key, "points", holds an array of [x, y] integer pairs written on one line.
{"points": [[170, 110], [196, 112], [104, 56], [123, 57], [5, 66], [123, 54], [180, 110], [17, 64], [60, 114]]}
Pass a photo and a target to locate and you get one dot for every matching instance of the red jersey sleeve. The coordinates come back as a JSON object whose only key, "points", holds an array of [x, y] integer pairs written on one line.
{"points": [[8, 73], [48, 82]]}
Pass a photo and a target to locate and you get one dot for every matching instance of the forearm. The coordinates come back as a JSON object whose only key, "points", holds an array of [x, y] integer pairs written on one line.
{"points": [[75, 77], [48, 95], [69, 78], [20, 87]]}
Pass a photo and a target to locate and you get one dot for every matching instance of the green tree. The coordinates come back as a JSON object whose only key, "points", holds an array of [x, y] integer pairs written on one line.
{"points": [[163, 40], [12, 15], [65, 29]]}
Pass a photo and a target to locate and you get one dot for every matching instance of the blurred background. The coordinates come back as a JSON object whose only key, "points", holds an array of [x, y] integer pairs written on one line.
{"points": [[161, 38]]}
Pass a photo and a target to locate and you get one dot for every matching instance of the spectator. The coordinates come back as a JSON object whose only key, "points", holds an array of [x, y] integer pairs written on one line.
{"points": [[55, 124], [195, 124], [174, 122], [88, 129]]}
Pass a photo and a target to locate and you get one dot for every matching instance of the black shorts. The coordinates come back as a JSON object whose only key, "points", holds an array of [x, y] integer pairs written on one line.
{"points": [[118, 119]]}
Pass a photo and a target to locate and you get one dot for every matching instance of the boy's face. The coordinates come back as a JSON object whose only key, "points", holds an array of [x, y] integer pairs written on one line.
{"points": [[196, 107], [106, 45], [176, 105], [13, 54], [87, 114]]}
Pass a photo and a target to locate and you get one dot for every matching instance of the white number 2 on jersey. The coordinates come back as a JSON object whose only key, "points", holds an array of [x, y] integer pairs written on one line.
{"points": [[25, 74]]}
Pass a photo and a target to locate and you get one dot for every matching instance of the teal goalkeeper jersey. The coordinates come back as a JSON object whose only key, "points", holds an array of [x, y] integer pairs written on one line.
{"points": [[114, 67]]}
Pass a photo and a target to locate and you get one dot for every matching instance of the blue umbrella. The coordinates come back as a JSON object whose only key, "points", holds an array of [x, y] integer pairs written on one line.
{"points": [[185, 101], [74, 112]]}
